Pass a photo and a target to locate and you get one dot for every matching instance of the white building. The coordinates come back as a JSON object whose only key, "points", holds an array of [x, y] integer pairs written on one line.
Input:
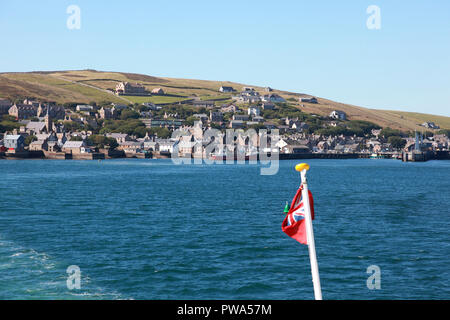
{"points": [[340, 115], [84, 107], [275, 98], [226, 89], [254, 111]]}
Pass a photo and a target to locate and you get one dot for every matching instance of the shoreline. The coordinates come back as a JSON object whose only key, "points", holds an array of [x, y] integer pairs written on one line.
{"points": [[405, 156]]}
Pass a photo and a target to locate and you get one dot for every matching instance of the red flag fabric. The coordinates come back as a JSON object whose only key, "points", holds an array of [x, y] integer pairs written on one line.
{"points": [[294, 222]]}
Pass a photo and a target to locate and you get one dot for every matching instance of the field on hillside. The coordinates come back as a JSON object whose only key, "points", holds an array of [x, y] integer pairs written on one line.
{"points": [[416, 117], [85, 86], [155, 99], [49, 88]]}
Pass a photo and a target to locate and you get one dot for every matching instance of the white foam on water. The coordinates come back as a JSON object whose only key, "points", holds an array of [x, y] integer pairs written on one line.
{"points": [[32, 274]]}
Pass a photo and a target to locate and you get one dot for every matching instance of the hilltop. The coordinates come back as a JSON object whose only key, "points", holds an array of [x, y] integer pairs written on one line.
{"points": [[87, 86]]}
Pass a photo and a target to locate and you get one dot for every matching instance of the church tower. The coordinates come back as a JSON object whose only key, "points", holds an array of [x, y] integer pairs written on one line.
{"points": [[48, 121]]}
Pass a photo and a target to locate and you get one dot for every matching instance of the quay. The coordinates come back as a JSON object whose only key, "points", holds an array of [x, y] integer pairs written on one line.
{"points": [[411, 156], [421, 156]]}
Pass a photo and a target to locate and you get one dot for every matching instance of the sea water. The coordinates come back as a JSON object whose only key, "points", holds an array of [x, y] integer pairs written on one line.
{"points": [[150, 229]]}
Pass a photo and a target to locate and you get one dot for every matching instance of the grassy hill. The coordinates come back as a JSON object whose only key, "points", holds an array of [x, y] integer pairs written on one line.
{"points": [[85, 86]]}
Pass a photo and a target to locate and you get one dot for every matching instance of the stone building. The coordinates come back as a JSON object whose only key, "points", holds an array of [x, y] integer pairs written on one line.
{"points": [[23, 111], [158, 91], [108, 113], [38, 145], [56, 112], [226, 89], [127, 88], [203, 104], [75, 147]]}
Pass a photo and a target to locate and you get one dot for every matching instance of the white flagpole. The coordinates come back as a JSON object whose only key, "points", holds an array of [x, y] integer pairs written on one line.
{"points": [[310, 232]]}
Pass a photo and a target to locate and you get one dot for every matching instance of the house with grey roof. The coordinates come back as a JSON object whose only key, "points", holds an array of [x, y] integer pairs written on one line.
{"points": [[226, 89], [120, 137], [339, 115], [84, 107], [236, 124], [308, 99], [258, 119], [14, 142], [430, 125], [229, 108], [204, 104], [273, 97], [166, 145], [268, 106], [295, 148], [75, 147], [35, 127], [131, 146], [241, 117]]}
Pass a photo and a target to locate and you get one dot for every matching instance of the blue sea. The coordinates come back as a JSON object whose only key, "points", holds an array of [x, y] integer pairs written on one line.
{"points": [[150, 229]]}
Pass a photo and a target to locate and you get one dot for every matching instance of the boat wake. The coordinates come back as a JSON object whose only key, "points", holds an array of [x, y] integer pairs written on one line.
{"points": [[29, 274]]}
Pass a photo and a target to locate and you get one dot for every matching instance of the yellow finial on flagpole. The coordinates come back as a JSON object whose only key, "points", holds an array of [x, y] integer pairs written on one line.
{"points": [[302, 166]]}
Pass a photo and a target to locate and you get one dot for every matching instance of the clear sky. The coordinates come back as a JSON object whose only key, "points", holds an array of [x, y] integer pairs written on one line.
{"points": [[318, 47]]}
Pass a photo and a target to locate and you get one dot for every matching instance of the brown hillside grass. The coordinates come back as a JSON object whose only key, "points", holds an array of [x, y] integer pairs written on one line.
{"points": [[70, 86]]}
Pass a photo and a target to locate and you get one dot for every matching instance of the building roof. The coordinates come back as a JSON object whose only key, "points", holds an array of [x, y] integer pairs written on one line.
{"points": [[35, 126], [12, 136], [42, 136], [297, 146], [38, 142], [131, 143], [166, 142], [73, 144]]}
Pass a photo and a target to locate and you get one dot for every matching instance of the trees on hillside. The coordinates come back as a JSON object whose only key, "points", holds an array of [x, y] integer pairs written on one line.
{"points": [[397, 142], [101, 141]]}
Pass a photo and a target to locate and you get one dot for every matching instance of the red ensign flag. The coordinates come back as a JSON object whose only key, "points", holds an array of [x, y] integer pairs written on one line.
{"points": [[294, 222]]}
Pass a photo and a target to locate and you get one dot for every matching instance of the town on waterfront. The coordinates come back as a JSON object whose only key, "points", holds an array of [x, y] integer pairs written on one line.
{"points": [[35, 128], [232, 158]]}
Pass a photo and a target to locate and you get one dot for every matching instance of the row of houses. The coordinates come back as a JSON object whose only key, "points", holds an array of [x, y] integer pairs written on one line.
{"points": [[194, 138]]}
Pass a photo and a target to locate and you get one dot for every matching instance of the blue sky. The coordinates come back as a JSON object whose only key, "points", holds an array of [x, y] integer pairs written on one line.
{"points": [[318, 47]]}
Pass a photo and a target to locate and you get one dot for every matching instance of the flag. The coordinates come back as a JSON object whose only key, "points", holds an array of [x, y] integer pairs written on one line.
{"points": [[294, 222]]}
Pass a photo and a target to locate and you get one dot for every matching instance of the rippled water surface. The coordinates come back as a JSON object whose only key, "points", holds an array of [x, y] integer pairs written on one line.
{"points": [[149, 229]]}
